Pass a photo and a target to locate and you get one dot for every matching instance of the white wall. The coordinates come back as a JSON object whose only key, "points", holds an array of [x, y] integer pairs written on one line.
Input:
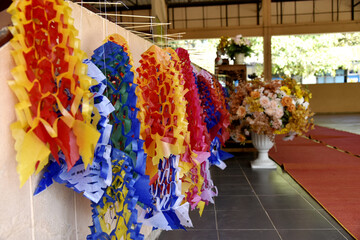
{"points": [[58, 212]]}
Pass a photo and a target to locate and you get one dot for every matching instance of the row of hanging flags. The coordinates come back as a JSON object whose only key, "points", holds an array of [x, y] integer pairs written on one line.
{"points": [[137, 143]]}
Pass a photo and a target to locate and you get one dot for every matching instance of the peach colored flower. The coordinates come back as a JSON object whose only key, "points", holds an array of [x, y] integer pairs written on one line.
{"points": [[271, 95], [270, 111], [241, 111], [286, 101], [279, 113], [291, 108], [264, 102], [273, 104], [255, 94], [276, 124]]}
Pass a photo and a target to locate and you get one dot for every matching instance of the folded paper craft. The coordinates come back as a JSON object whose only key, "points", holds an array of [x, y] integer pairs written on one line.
{"points": [[92, 180], [129, 189], [50, 82]]}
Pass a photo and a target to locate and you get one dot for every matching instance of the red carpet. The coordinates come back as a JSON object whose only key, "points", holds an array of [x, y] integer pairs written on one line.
{"points": [[332, 177], [345, 141]]}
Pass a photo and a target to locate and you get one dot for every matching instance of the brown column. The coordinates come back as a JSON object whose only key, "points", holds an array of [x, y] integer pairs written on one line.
{"points": [[266, 16]]}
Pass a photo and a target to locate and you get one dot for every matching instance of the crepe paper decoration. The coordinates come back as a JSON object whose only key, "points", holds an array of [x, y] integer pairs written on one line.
{"points": [[94, 179], [208, 189], [165, 130], [170, 213], [199, 136], [114, 62], [115, 215], [91, 181], [118, 39], [221, 93], [50, 82], [162, 108], [217, 155], [217, 118]]}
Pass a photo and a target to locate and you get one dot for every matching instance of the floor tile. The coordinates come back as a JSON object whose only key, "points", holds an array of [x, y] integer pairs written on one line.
{"points": [[285, 202], [206, 221], [245, 165], [232, 163], [229, 180], [265, 178], [244, 219], [274, 189], [189, 235], [298, 219], [226, 172], [237, 203], [209, 207], [346, 234], [248, 235], [234, 189], [311, 234], [246, 156], [330, 219], [311, 200]]}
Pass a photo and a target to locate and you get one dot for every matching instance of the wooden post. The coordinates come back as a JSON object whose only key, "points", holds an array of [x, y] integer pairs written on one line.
{"points": [[159, 10], [266, 14]]}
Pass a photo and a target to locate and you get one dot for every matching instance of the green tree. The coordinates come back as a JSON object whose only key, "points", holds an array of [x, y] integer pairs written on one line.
{"points": [[308, 55], [295, 55]]}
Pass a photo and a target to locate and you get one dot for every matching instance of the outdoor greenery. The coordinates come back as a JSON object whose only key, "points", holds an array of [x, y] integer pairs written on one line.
{"points": [[296, 55], [309, 55]]}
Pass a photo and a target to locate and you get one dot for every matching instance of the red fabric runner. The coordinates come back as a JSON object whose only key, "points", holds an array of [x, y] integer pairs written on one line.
{"points": [[345, 141], [332, 177]]}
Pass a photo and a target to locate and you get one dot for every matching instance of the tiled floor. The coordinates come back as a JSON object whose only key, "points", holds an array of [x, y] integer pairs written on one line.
{"points": [[259, 205], [264, 204]]}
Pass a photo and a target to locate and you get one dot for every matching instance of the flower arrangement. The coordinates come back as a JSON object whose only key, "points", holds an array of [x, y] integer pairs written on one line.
{"points": [[238, 45], [270, 107], [223, 44]]}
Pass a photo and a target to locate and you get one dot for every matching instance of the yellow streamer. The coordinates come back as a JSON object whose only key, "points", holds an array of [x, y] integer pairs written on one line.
{"points": [[47, 56]]}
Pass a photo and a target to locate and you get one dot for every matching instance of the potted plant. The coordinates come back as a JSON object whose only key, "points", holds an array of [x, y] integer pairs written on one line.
{"points": [[238, 49], [265, 108]]}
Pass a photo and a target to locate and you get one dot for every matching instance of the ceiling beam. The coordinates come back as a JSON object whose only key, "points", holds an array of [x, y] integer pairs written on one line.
{"points": [[4, 4], [276, 30]]}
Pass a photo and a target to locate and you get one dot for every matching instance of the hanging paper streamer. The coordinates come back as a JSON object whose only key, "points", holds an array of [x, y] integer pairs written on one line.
{"points": [[216, 117], [170, 213], [162, 104], [116, 64], [199, 136], [50, 82], [115, 216], [208, 189], [164, 127], [93, 180], [188, 158]]}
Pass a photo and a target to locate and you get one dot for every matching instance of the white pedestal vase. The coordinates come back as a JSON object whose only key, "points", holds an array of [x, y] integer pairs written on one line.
{"points": [[239, 58], [263, 144]]}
